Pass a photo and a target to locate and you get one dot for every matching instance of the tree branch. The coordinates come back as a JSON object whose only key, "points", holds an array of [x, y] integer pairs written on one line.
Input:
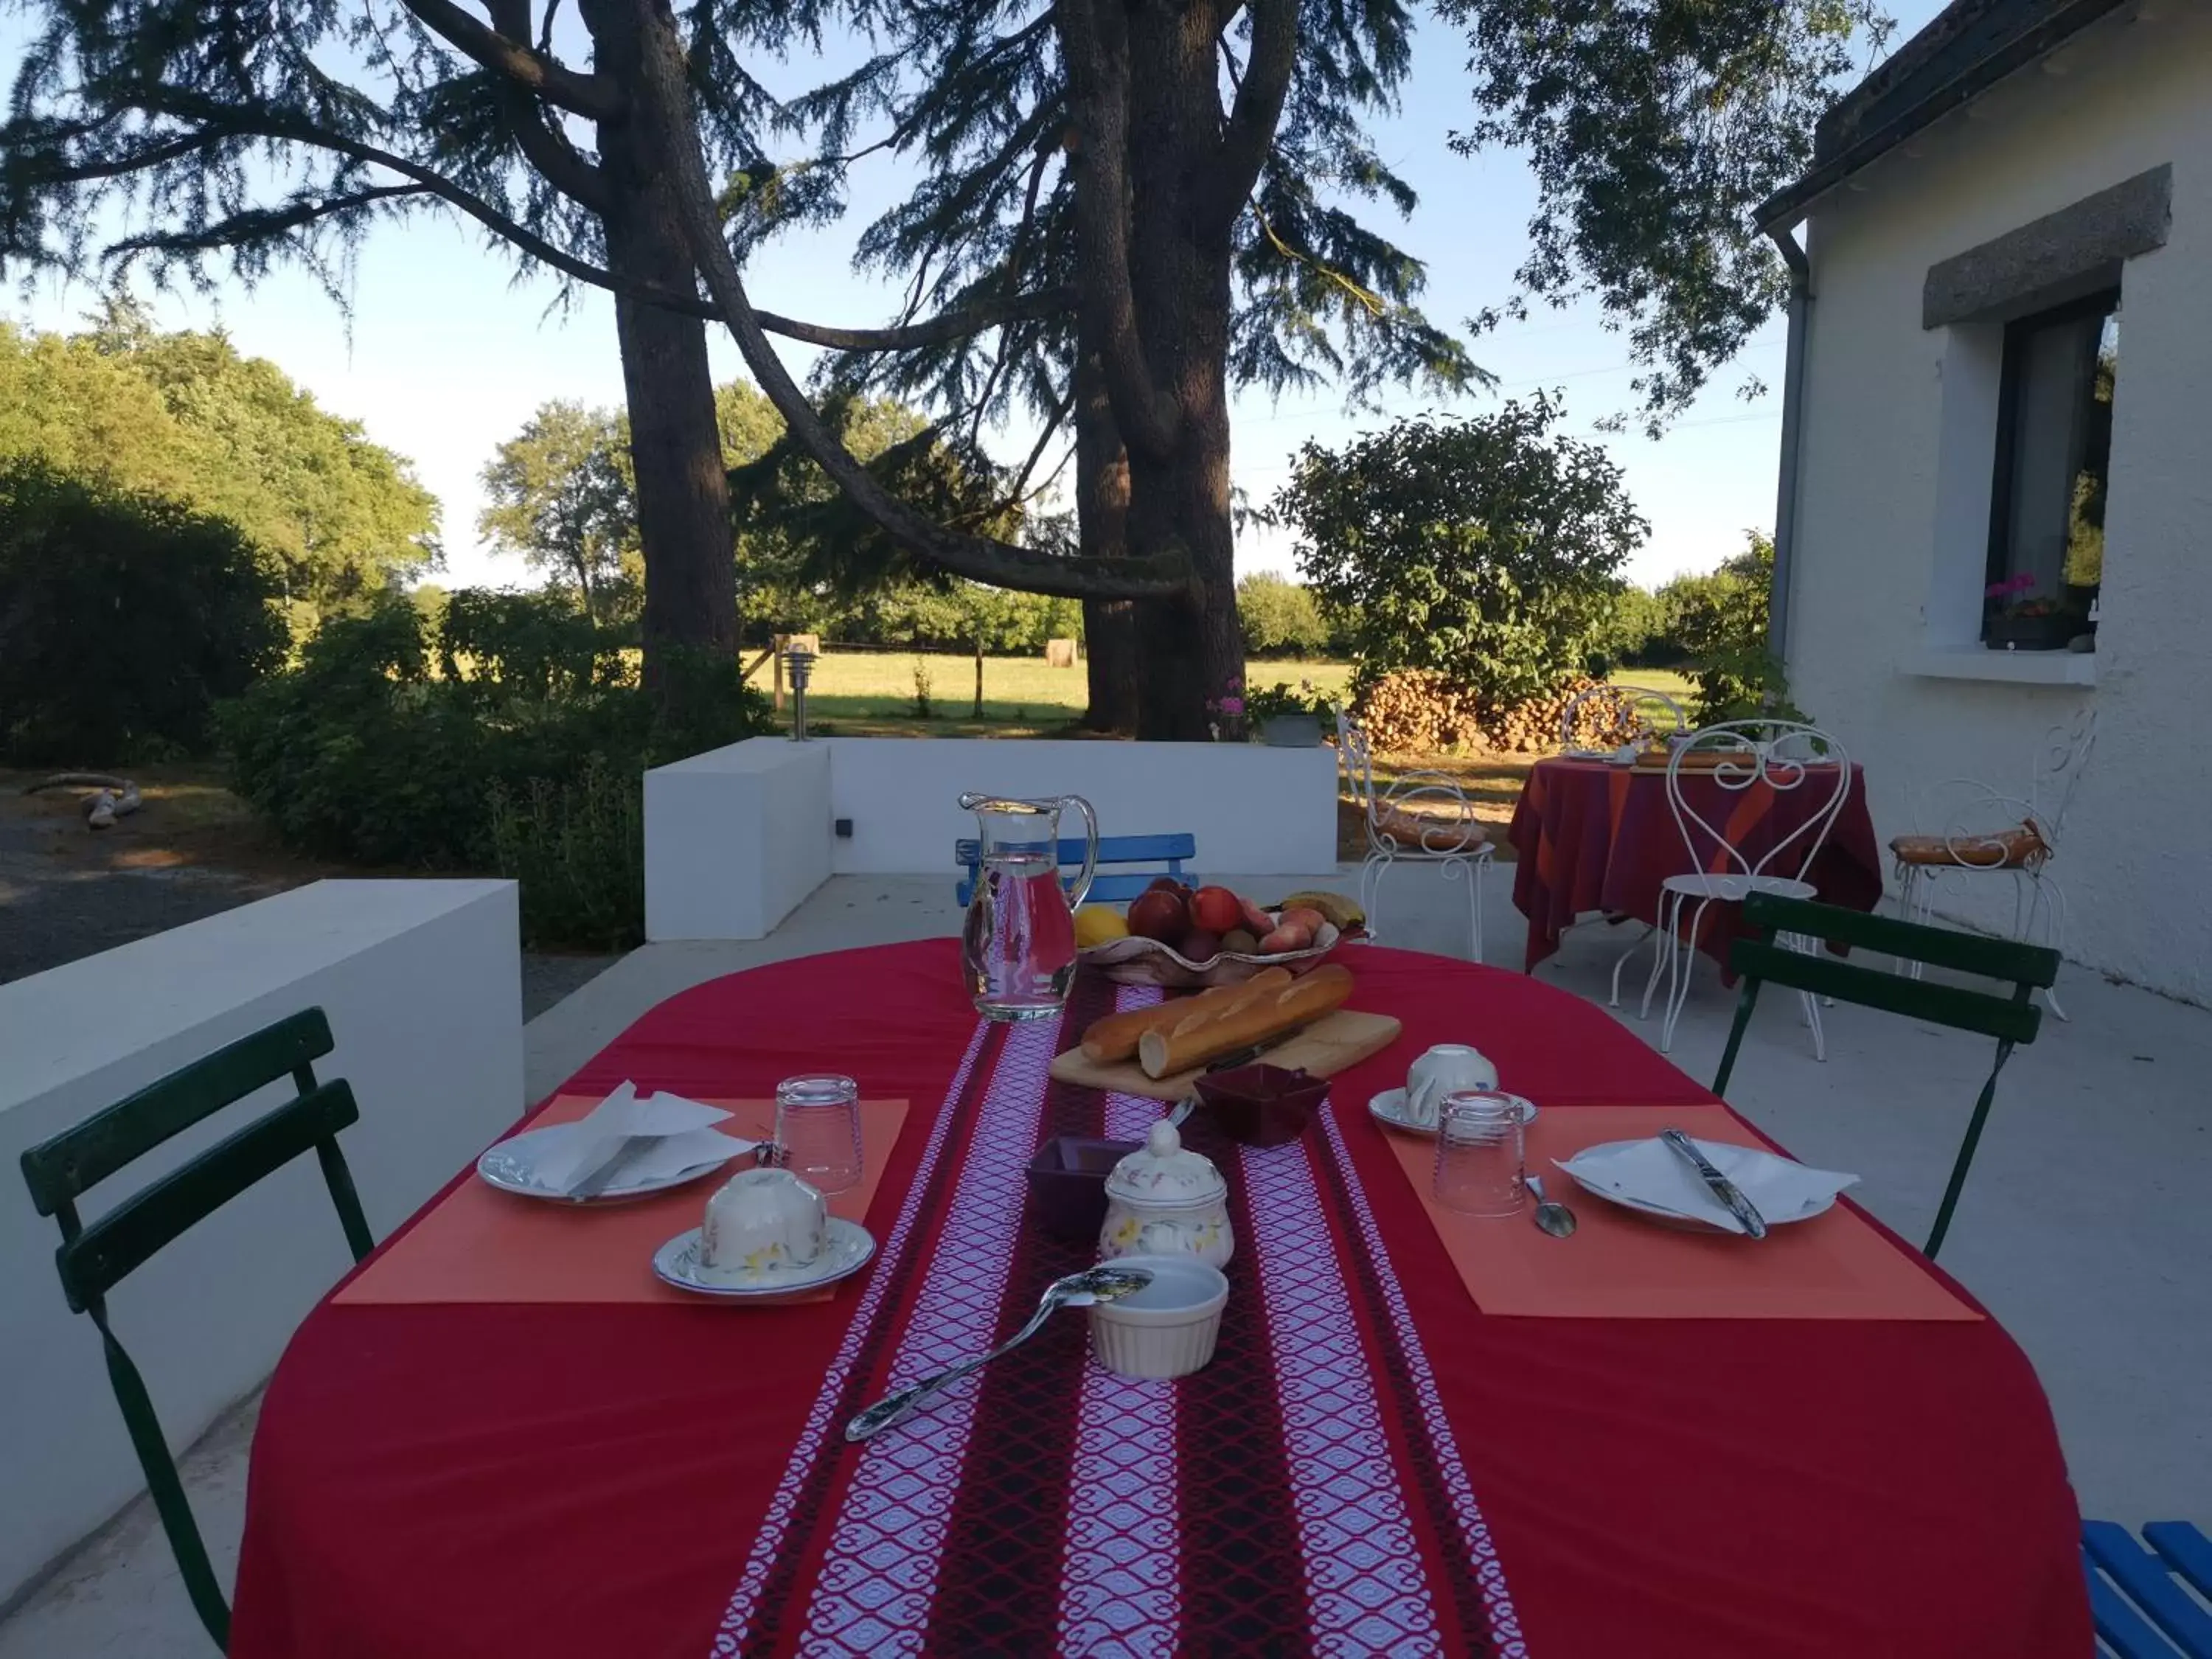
{"points": [[1095, 51], [218, 126], [256, 224], [666, 105], [542, 142], [1251, 132], [592, 95]]}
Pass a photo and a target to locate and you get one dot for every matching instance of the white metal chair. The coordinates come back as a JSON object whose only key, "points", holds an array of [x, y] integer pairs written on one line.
{"points": [[1423, 817], [1784, 755], [1984, 831], [1631, 710]]}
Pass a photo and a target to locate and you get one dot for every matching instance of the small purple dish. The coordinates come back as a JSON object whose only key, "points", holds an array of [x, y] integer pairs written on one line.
{"points": [[1067, 1181], [1262, 1105]]}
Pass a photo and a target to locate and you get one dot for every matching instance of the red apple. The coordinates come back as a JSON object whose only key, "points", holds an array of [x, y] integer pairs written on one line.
{"points": [[1161, 915], [1199, 946], [1257, 919], [1216, 909]]}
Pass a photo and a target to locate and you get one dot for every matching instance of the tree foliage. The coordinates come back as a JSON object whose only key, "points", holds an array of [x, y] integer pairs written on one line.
{"points": [[1280, 617], [1720, 620], [1654, 128], [123, 619], [186, 418], [562, 495], [1486, 550]]}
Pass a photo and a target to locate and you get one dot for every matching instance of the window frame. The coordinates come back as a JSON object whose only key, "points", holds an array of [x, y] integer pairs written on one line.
{"points": [[2011, 354]]}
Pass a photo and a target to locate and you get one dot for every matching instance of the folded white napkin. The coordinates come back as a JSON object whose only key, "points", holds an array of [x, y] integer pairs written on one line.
{"points": [[682, 1138], [1650, 1172]]}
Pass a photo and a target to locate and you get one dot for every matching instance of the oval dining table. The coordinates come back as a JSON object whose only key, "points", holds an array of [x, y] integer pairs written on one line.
{"points": [[1420, 1434]]}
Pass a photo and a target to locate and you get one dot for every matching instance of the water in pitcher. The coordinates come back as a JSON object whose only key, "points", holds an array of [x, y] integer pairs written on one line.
{"points": [[1019, 947]]}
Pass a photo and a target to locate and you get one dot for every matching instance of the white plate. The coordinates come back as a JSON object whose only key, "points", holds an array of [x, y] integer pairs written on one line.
{"points": [[510, 1165], [849, 1247], [1390, 1110], [1721, 1155]]}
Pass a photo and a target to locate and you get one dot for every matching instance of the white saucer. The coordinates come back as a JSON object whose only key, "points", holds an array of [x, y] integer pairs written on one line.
{"points": [[510, 1165], [849, 1248], [1390, 1110]]}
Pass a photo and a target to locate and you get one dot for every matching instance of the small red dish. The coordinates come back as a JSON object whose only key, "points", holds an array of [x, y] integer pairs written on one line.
{"points": [[1262, 1105], [1067, 1181]]}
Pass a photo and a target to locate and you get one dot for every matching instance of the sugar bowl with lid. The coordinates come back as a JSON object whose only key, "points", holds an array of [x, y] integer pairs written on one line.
{"points": [[1163, 1199]]}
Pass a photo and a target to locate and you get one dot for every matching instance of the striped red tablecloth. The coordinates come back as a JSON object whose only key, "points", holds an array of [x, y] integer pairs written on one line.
{"points": [[1371, 1466], [1589, 837]]}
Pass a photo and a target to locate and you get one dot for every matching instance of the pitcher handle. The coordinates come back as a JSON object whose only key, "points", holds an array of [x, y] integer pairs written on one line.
{"points": [[1089, 848]]}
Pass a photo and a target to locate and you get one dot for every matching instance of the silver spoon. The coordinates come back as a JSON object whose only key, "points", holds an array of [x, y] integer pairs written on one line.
{"points": [[1556, 1219], [1076, 1291]]}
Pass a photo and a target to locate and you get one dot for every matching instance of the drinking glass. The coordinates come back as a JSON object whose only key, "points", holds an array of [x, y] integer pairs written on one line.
{"points": [[818, 1130], [1479, 1153]]}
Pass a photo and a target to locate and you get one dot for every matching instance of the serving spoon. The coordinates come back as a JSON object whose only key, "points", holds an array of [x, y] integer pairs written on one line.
{"points": [[1083, 1290]]}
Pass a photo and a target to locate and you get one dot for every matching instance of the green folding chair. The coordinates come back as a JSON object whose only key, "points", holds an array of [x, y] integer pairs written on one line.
{"points": [[2011, 1020], [94, 1259]]}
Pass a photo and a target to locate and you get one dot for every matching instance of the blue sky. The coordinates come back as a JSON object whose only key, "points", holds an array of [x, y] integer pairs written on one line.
{"points": [[448, 350]]}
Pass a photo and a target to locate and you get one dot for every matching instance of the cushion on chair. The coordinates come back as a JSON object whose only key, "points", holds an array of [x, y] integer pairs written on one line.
{"points": [[2020, 849], [1420, 832]]}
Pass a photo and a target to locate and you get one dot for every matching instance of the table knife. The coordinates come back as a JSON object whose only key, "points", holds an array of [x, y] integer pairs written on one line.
{"points": [[602, 1175], [1722, 1188]]}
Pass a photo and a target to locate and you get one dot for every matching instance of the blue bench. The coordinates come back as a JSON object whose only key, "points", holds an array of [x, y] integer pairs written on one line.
{"points": [[1168, 851], [2132, 1594]]}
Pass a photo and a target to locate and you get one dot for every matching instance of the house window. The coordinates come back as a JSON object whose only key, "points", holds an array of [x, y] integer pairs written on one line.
{"points": [[2054, 455]]}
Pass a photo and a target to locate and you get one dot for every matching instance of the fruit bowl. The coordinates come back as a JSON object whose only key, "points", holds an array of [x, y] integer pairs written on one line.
{"points": [[1135, 961]]}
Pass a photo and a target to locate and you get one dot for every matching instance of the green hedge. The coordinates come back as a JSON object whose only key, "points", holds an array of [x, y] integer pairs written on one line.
{"points": [[526, 754]]}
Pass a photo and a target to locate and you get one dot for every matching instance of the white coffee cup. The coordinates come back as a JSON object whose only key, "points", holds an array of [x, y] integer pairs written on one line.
{"points": [[762, 1219], [1445, 1069]]}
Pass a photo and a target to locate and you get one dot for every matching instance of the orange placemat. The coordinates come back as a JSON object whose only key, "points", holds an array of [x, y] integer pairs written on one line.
{"points": [[480, 1244], [1618, 1265]]}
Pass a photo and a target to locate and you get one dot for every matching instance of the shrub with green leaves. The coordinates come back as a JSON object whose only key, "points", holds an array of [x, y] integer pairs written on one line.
{"points": [[123, 619], [1486, 550], [518, 764]]}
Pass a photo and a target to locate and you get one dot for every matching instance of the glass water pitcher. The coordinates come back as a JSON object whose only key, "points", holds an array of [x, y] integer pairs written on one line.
{"points": [[1017, 949]]}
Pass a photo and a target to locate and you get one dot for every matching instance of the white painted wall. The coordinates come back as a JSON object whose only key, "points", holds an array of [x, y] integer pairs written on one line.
{"points": [[1877, 522], [1254, 811], [421, 983], [735, 838]]}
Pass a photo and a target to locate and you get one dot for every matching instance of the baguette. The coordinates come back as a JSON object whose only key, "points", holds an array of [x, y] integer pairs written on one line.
{"points": [[1206, 1034], [1114, 1037]]}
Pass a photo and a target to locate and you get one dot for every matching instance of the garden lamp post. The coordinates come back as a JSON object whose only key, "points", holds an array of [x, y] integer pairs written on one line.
{"points": [[800, 661]]}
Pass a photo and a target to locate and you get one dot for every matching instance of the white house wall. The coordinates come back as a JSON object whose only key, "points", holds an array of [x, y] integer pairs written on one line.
{"points": [[2129, 96]]}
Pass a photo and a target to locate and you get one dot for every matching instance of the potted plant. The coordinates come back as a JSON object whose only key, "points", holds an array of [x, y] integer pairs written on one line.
{"points": [[1285, 718], [2023, 622]]}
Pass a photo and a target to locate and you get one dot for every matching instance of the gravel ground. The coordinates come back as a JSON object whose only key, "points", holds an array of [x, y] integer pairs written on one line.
{"points": [[68, 892]]}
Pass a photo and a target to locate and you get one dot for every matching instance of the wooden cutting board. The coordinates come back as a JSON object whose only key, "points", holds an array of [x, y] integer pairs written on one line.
{"points": [[1325, 1047]]}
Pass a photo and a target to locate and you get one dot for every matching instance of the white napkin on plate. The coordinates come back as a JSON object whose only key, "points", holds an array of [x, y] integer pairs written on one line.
{"points": [[1650, 1172], [682, 1138]]}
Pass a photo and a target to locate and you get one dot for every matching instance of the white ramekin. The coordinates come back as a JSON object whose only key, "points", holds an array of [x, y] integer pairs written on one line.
{"points": [[1167, 1328]]}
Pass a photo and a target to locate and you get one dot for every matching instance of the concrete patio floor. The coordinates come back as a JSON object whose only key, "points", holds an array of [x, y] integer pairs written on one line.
{"points": [[2084, 1228]]}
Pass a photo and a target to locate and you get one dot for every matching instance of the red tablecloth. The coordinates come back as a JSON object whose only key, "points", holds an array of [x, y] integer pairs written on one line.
{"points": [[564, 1481], [1590, 836]]}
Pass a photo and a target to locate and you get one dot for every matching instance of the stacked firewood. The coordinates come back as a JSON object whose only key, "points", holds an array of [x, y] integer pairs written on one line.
{"points": [[1414, 711]]}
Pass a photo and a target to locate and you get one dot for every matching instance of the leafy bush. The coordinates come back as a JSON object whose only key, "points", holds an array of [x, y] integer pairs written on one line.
{"points": [[1485, 550], [577, 849], [363, 754], [1720, 621], [123, 619], [1280, 618]]}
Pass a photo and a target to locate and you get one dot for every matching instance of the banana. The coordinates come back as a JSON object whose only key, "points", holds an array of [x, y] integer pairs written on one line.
{"points": [[1340, 911]]}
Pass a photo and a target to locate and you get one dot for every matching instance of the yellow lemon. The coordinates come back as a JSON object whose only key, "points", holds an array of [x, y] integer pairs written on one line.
{"points": [[1096, 925]]}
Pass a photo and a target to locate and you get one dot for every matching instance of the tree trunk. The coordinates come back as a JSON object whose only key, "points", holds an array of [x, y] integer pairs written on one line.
{"points": [[676, 448], [1192, 652], [1102, 513]]}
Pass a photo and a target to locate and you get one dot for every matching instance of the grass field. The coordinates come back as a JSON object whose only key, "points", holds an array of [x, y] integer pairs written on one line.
{"points": [[870, 694]]}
